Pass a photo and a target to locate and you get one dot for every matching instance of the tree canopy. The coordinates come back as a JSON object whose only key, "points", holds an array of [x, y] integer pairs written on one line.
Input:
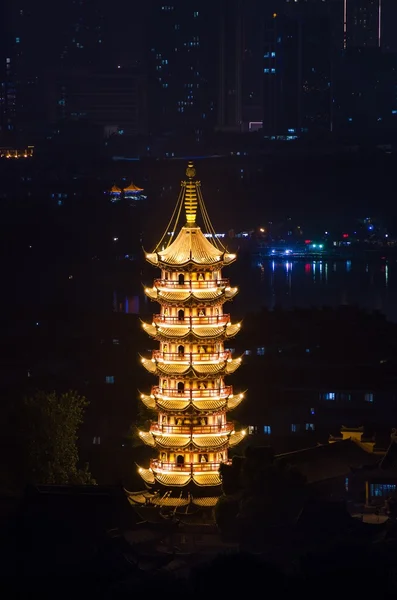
{"points": [[47, 427]]}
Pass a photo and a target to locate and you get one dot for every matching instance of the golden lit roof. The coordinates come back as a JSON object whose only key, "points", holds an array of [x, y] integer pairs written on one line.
{"points": [[234, 401], [207, 404], [204, 479], [187, 295], [133, 188], [173, 404], [209, 441], [190, 246], [196, 331], [175, 368], [115, 190], [147, 438], [148, 401], [206, 501], [236, 437], [147, 475], [172, 441], [178, 479]]}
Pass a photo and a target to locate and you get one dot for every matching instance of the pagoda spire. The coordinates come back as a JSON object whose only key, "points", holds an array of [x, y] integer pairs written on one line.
{"points": [[191, 198]]}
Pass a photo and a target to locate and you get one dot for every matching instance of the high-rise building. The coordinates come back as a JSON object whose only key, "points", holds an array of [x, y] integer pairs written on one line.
{"points": [[297, 69], [182, 38], [362, 20], [231, 50], [191, 400]]}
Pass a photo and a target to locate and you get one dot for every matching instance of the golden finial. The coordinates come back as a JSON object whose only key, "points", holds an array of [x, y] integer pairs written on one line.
{"points": [[191, 200]]}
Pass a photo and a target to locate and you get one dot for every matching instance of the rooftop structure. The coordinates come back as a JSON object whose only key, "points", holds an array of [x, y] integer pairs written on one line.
{"points": [[191, 399]]}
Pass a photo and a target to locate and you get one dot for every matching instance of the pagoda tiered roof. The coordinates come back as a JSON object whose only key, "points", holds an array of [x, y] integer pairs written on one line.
{"points": [[183, 441], [133, 188], [165, 332], [195, 370], [211, 404], [192, 296], [190, 247], [171, 478]]}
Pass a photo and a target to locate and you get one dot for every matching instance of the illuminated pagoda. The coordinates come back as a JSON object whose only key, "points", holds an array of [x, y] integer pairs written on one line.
{"points": [[115, 193], [191, 398], [134, 194]]}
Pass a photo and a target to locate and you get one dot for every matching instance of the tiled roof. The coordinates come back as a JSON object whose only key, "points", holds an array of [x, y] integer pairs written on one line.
{"points": [[235, 438], [190, 245], [148, 401], [146, 475], [205, 501], [210, 441], [209, 404], [204, 479], [232, 403], [173, 404], [147, 438], [172, 441], [328, 461], [178, 479]]}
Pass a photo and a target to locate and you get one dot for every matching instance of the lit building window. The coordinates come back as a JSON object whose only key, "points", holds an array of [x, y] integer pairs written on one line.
{"points": [[252, 429], [312, 411], [382, 489], [116, 341], [247, 352], [369, 397], [294, 428], [309, 426], [109, 379], [96, 440], [267, 429], [329, 396], [195, 14], [260, 351]]}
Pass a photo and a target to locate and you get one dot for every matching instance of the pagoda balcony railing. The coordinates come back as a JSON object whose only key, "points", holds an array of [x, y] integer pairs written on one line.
{"points": [[192, 429], [212, 284], [187, 394], [189, 321], [188, 467], [191, 357]]}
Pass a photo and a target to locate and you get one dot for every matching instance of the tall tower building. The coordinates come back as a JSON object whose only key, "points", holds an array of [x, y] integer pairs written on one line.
{"points": [[362, 23], [182, 38], [230, 66], [191, 398]]}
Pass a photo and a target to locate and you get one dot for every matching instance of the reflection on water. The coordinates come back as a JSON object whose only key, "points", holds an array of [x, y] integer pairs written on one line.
{"points": [[319, 283]]}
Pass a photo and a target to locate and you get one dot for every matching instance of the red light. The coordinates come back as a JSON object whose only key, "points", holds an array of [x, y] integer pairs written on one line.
{"points": [[308, 241], [345, 235], [307, 268]]}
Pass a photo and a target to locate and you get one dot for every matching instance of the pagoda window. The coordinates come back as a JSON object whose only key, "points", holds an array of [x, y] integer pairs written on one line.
{"points": [[164, 456], [181, 387], [181, 315], [180, 460], [166, 275], [204, 458], [181, 279], [202, 312], [165, 348], [166, 312], [181, 350], [200, 277]]}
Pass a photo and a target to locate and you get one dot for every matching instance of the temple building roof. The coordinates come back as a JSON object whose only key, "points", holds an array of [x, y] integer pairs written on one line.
{"points": [[190, 247], [133, 188], [190, 296], [204, 478], [203, 404], [115, 190], [191, 370], [180, 332], [182, 441]]}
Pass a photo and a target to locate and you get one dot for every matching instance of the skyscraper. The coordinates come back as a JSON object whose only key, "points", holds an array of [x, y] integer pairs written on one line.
{"points": [[182, 39], [362, 23]]}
